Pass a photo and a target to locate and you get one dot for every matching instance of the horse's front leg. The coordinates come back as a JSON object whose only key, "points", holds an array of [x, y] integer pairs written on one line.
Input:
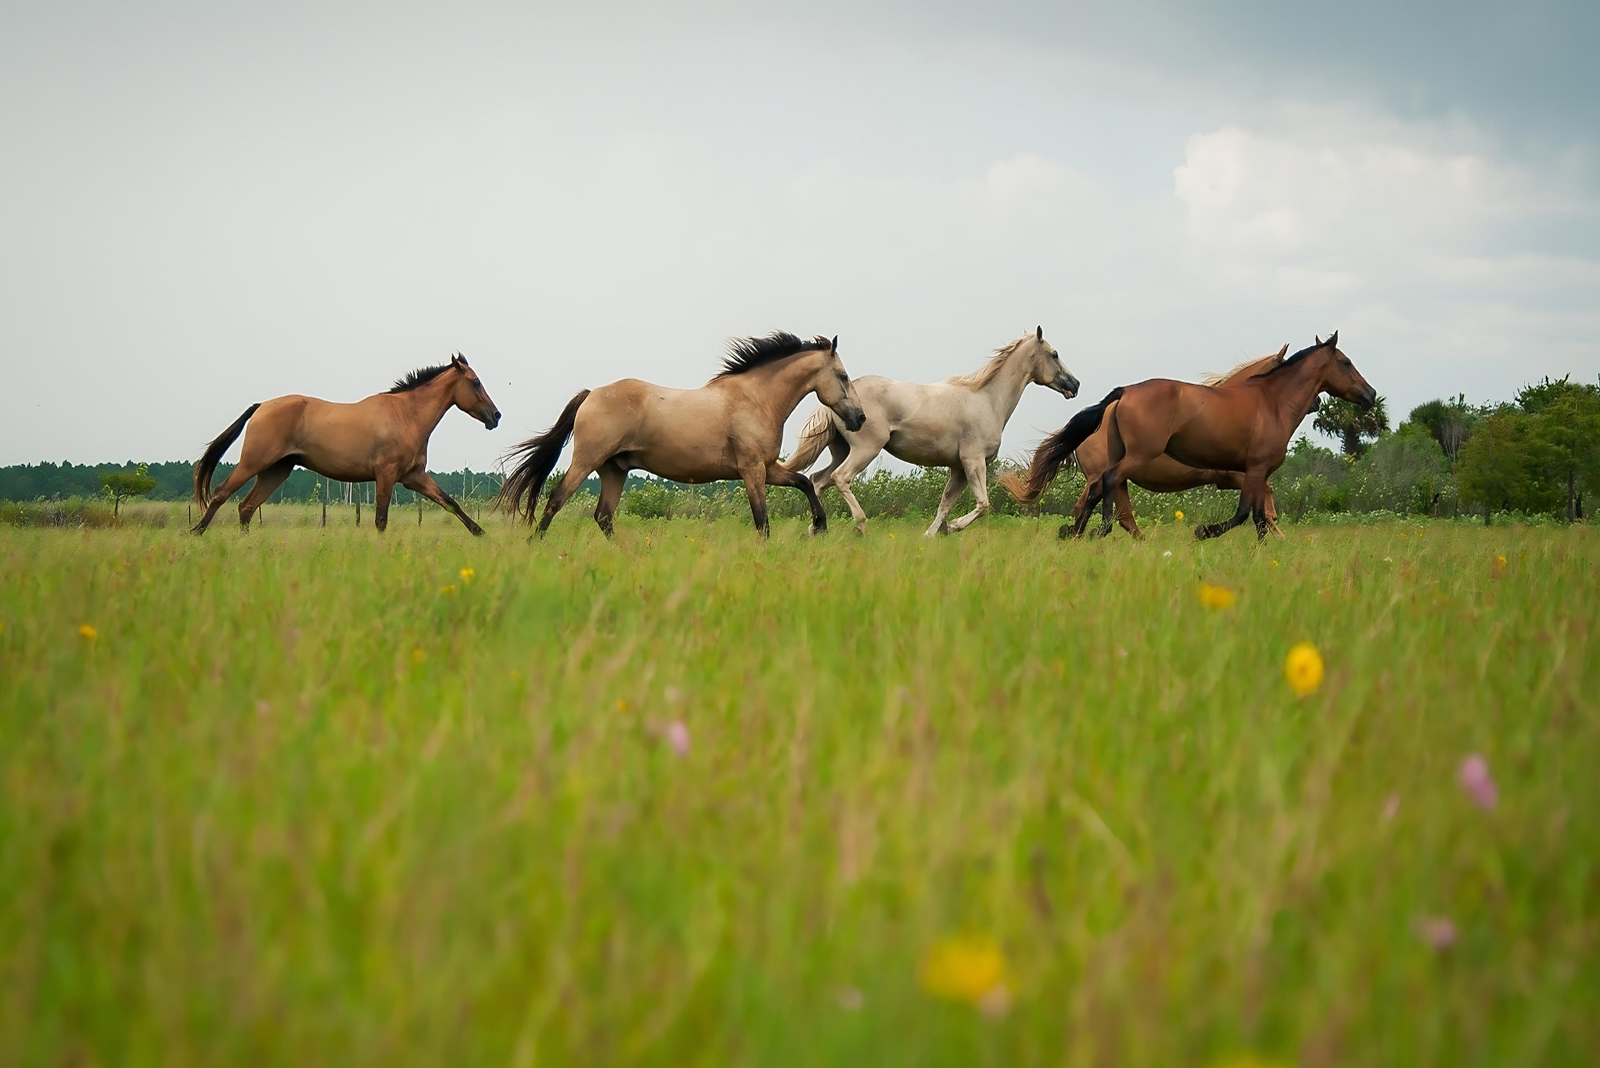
{"points": [[386, 480], [1240, 514], [778, 475], [423, 483], [755, 487]]}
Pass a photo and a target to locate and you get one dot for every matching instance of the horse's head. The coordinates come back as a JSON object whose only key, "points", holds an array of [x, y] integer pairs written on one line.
{"points": [[1340, 377], [834, 388], [470, 396], [1046, 368]]}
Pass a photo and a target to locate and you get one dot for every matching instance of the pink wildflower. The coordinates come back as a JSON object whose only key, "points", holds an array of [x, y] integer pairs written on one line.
{"points": [[1474, 777]]}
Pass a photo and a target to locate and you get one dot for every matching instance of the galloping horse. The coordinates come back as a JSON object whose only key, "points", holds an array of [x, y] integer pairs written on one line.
{"points": [[956, 423], [1164, 474], [382, 439], [1237, 426], [729, 428]]}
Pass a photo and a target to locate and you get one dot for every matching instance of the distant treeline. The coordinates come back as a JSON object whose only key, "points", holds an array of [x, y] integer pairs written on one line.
{"points": [[175, 482]]}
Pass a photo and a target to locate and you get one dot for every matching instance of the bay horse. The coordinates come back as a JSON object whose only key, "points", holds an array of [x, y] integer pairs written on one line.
{"points": [[1241, 425], [729, 428], [956, 423], [382, 439], [1164, 474]]}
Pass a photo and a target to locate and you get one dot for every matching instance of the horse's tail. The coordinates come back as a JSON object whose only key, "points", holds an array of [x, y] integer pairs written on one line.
{"points": [[1056, 449], [206, 466], [536, 459], [815, 436]]}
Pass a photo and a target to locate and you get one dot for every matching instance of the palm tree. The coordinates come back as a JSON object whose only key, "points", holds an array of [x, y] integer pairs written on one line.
{"points": [[1344, 420]]}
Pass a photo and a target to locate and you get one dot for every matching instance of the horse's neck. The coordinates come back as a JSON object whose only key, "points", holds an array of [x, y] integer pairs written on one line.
{"points": [[1004, 390], [782, 385], [1292, 388], [429, 402]]}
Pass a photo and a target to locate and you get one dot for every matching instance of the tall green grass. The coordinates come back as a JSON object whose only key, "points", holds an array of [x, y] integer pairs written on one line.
{"points": [[313, 797]]}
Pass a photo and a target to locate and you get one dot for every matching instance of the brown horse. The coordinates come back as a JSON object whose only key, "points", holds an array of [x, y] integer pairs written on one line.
{"points": [[729, 428], [1164, 474], [382, 439], [1239, 426]]}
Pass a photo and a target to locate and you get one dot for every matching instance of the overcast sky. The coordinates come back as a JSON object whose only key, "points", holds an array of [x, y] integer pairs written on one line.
{"points": [[206, 205]]}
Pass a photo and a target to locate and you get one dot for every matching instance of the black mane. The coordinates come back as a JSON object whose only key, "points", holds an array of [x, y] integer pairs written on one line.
{"points": [[420, 377], [748, 353], [1302, 354]]}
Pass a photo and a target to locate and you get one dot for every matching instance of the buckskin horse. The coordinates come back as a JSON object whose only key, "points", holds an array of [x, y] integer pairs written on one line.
{"points": [[382, 439], [729, 428], [1241, 425]]}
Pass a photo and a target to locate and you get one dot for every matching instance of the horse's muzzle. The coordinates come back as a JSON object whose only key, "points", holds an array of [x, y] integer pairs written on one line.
{"points": [[491, 421], [854, 420], [1068, 387]]}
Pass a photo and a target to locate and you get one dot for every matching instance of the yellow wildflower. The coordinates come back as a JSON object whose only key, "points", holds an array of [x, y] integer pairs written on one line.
{"points": [[418, 656], [448, 589], [1303, 668], [1217, 597], [966, 968], [88, 632], [622, 706], [466, 575], [1248, 1060], [1178, 515]]}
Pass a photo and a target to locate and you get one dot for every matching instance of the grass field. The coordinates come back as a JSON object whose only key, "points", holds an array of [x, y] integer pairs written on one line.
{"points": [[310, 797]]}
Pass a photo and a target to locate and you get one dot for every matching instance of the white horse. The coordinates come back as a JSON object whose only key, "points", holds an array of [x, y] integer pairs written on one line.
{"points": [[956, 423]]}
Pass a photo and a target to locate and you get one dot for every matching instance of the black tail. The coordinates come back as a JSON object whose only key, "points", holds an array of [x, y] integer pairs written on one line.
{"points": [[1056, 449], [537, 458], [207, 464]]}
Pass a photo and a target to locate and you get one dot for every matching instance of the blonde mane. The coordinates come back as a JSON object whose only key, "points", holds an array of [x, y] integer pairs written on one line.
{"points": [[1255, 365], [976, 380]]}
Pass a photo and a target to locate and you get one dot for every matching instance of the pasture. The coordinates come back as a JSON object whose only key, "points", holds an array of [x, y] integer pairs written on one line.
{"points": [[311, 797]]}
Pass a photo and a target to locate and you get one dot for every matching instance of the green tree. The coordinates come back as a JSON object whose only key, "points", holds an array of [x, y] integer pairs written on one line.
{"points": [[1566, 430], [1405, 472], [1346, 421], [1449, 421], [120, 485]]}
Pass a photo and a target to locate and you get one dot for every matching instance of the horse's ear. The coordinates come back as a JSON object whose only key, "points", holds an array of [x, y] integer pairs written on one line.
{"points": [[1283, 350], [834, 344], [1333, 340], [1038, 333], [1318, 339], [456, 360]]}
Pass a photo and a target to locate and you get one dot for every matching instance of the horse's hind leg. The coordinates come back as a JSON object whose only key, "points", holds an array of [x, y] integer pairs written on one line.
{"points": [[563, 492], [1125, 517], [231, 485], [266, 482], [952, 492], [423, 483], [613, 476]]}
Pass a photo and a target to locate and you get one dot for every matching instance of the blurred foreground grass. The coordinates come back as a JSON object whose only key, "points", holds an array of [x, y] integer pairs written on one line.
{"points": [[312, 797]]}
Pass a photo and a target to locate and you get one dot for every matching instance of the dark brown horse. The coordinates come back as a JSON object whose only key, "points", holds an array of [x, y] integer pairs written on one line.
{"points": [[1241, 425], [382, 439], [729, 428]]}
